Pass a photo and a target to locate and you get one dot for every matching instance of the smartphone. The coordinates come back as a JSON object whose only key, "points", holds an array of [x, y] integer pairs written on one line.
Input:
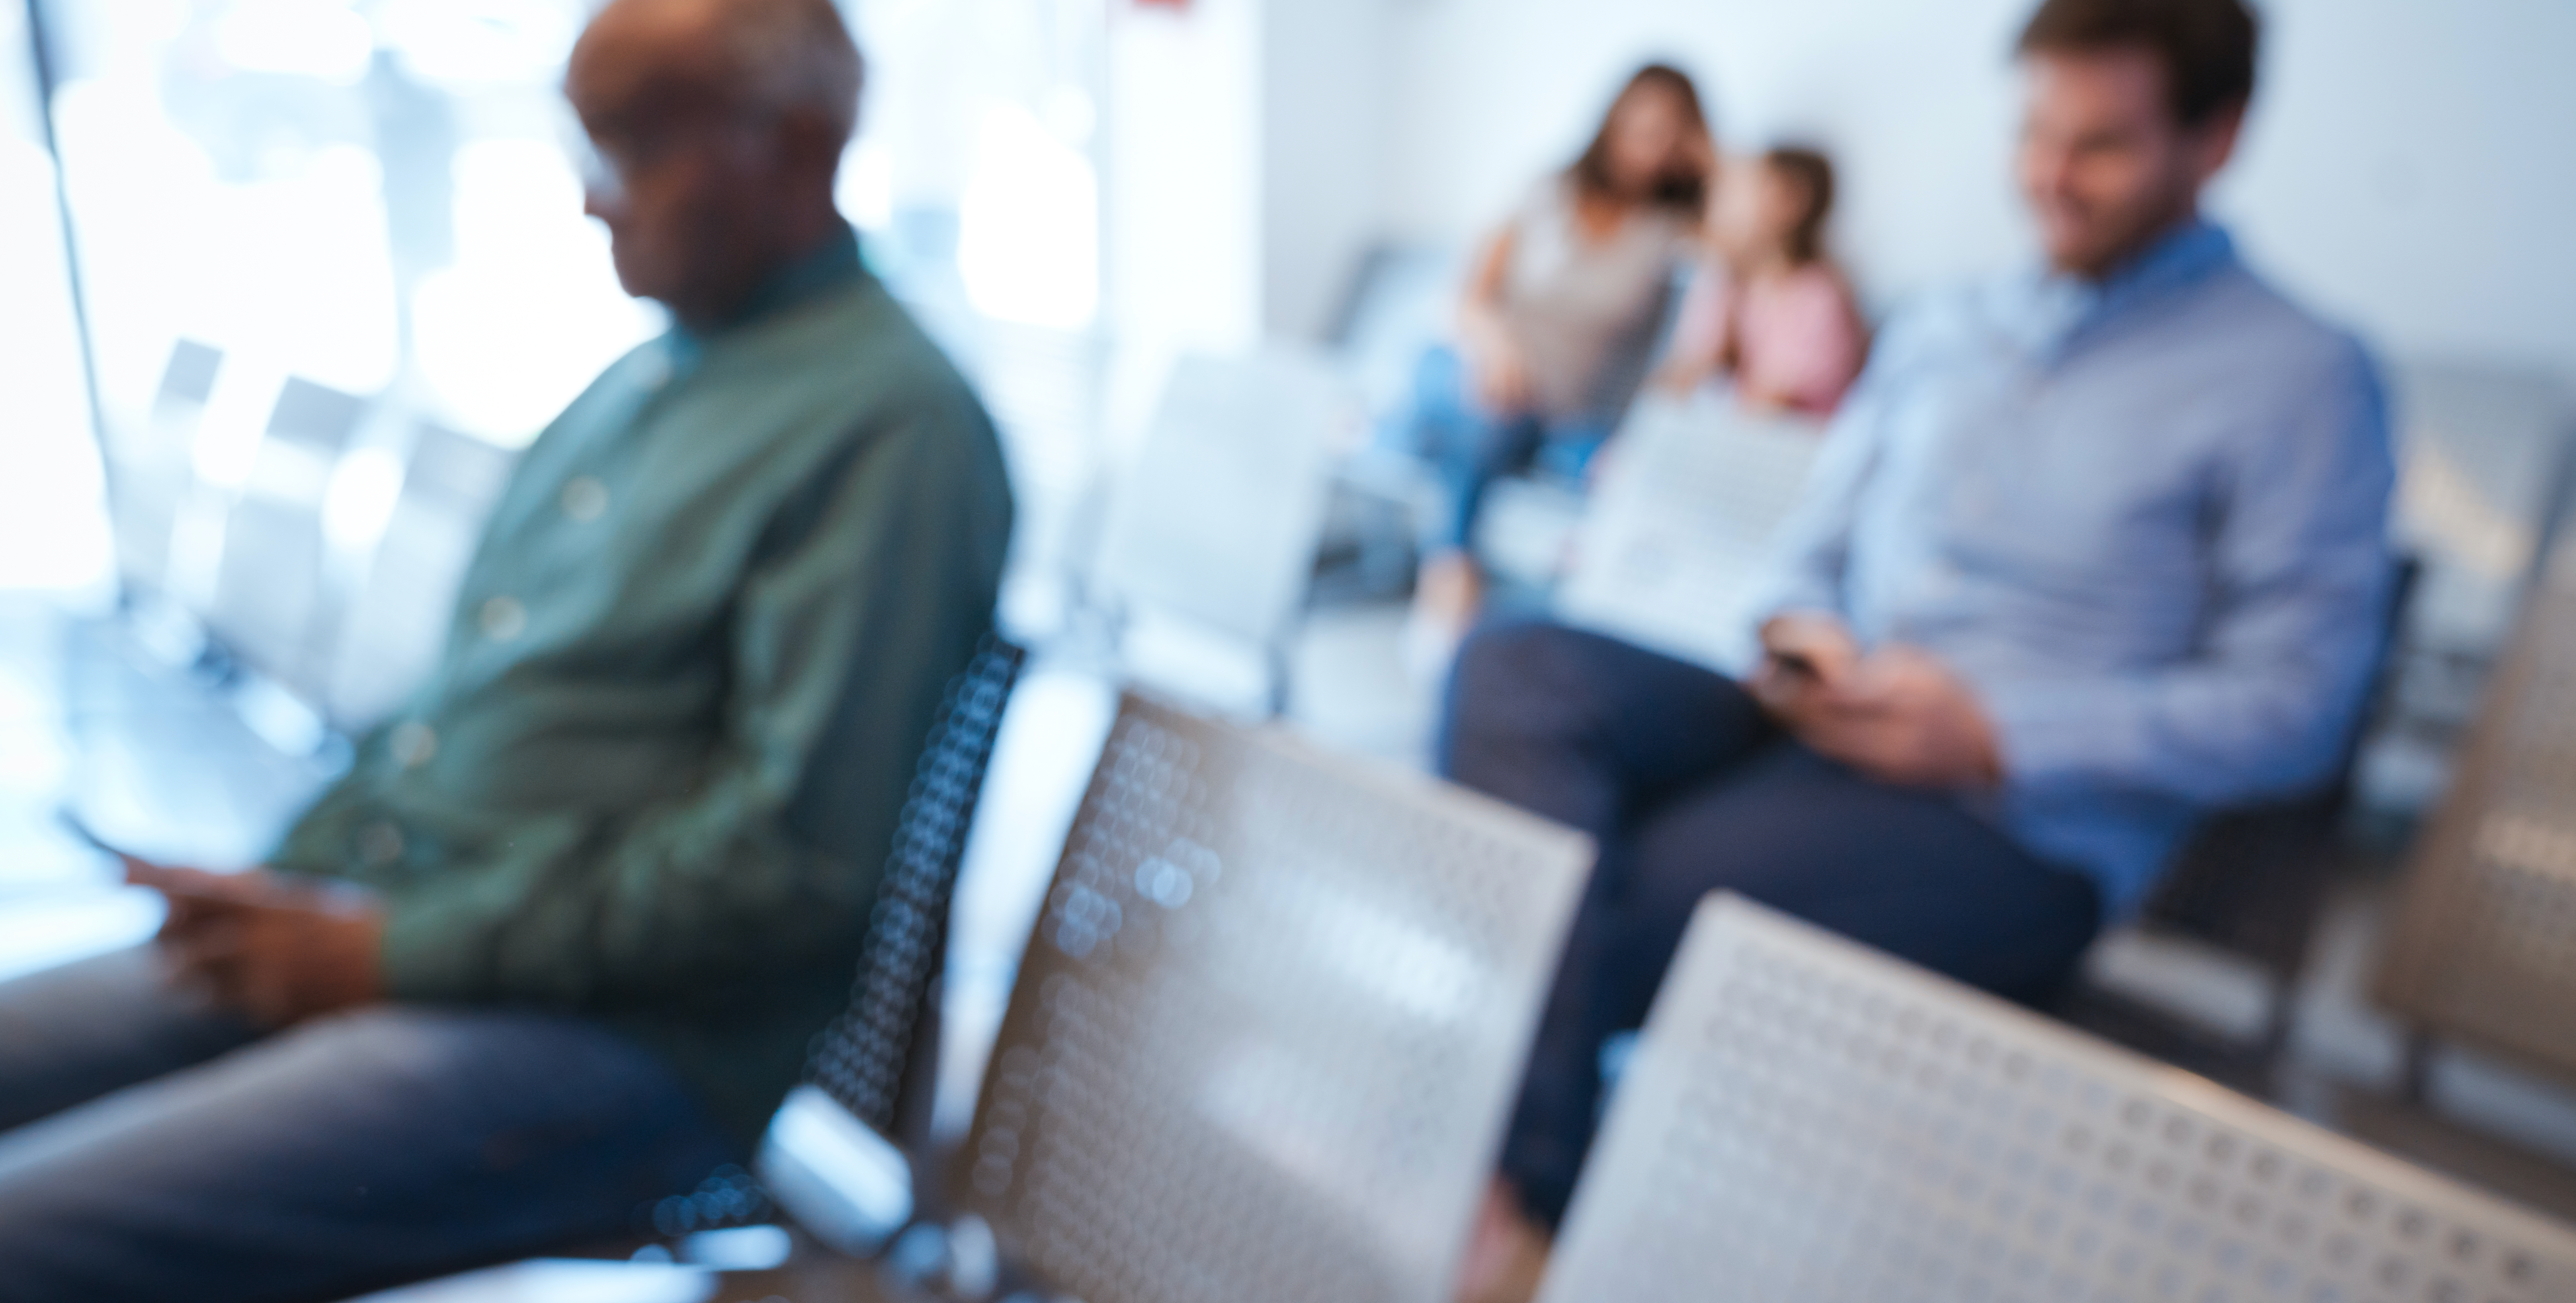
{"points": [[1798, 663], [78, 827], [138, 870]]}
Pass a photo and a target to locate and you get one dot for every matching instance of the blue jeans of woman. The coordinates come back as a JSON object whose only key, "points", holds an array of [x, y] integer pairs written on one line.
{"points": [[1472, 446]]}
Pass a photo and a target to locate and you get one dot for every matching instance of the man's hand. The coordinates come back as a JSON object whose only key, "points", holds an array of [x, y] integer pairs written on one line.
{"points": [[1804, 653], [275, 950], [1897, 714]]}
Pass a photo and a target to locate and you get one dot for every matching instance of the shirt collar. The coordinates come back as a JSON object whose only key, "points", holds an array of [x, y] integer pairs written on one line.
{"points": [[827, 268], [2059, 307]]}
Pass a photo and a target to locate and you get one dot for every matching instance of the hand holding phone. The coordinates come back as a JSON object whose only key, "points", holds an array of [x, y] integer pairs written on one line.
{"points": [[1806, 650]]}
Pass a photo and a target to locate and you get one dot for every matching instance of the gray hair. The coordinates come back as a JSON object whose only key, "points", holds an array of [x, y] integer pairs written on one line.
{"points": [[795, 55]]}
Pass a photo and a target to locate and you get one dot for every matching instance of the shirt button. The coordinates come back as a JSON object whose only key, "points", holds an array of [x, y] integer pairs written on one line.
{"points": [[380, 843], [585, 499], [503, 619], [412, 743]]}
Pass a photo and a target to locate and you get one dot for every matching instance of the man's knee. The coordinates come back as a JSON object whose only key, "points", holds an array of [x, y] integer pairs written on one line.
{"points": [[1513, 677]]}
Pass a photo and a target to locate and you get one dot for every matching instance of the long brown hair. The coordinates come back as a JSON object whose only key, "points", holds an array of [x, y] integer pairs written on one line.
{"points": [[1686, 192], [1813, 173]]}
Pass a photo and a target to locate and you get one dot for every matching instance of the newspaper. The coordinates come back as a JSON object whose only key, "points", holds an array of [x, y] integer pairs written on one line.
{"points": [[1681, 523]]}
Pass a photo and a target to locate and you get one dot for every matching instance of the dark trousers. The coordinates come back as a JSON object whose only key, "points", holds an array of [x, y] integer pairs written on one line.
{"points": [[1689, 789]]}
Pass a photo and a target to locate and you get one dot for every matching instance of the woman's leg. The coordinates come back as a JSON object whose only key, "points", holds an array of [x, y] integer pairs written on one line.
{"points": [[1470, 447]]}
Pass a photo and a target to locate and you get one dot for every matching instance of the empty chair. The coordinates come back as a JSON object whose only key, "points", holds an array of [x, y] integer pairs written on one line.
{"points": [[391, 633], [148, 464], [2483, 946], [1681, 522], [1808, 1120], [1214, 527], [2485, 460], [1267, 1026], [270, 598]]}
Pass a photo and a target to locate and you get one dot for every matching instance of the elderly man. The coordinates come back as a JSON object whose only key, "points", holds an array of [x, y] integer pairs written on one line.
{"points": [[2091, 552], [555, 946]]}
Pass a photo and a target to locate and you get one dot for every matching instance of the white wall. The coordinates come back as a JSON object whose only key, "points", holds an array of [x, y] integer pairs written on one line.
{"points": [[2411, 168], [1180, 160], [1328, 83]]}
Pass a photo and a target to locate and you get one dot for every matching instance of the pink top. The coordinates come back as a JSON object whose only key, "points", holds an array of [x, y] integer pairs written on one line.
{"points": [[1792, 337]]}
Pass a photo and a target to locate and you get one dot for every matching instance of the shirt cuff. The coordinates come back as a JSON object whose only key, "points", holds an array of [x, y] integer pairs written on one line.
{"points": [[2050, 734]]}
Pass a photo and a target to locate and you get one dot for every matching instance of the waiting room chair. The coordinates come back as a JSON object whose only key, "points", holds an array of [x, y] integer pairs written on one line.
{"points": [[843, 1155], [1267, 1027], [1212, 531], [2251, 884], [874, 1068], [272, 598], [2482, 947], [1809, 1120], [148, 464]]}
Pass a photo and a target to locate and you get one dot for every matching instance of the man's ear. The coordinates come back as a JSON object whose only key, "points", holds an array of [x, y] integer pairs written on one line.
{"points": [[2213, 143]]}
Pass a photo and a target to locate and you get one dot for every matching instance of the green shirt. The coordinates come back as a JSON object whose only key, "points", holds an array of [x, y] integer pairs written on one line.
{"points": [[656, 775]]}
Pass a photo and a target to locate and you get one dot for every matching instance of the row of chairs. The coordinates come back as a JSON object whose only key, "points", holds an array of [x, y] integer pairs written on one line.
{"points": [[1265, 1034], [311, 541]]}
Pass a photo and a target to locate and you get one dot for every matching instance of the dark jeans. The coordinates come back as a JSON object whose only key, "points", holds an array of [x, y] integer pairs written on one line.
{"points": [[1473, 447], [152, 1149], [1689, 789]]}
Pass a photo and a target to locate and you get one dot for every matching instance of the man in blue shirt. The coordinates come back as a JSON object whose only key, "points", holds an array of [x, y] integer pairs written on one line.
{"points": [[2091, 552]]}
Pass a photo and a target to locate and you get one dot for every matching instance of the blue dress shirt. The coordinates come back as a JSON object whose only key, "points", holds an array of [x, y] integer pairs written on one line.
{"points": [[2145, 518]]}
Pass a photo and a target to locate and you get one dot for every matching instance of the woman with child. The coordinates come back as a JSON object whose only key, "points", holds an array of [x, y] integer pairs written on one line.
{"points": [[1563, 305]]}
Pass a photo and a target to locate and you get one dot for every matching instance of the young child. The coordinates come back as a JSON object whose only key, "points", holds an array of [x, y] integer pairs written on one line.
{"points": [[1768, 307]]}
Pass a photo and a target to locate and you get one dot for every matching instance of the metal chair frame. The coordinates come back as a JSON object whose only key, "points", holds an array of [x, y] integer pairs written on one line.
{"points": [[1808, 1119], [1265, 1033], [2479, 950]]}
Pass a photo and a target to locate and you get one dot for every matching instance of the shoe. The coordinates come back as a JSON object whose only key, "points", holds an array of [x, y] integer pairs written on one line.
{"points": [[1507, 1253], [1448, 595]]}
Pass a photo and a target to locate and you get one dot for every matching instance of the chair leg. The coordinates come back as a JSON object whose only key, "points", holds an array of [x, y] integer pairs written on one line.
{"points": [[2415, 1069], [2280, 1028]]}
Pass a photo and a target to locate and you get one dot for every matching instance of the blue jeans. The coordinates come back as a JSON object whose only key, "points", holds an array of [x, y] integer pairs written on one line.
{"points": [[1689, 789], [153, 1149], [1472, 446]]}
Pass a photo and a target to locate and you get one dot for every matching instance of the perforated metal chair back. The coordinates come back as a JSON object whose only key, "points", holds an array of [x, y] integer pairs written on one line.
{"points": [[1682, 522], [1809, 1120], [862, 1061], [2483, 946], [1267, 1027]]}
